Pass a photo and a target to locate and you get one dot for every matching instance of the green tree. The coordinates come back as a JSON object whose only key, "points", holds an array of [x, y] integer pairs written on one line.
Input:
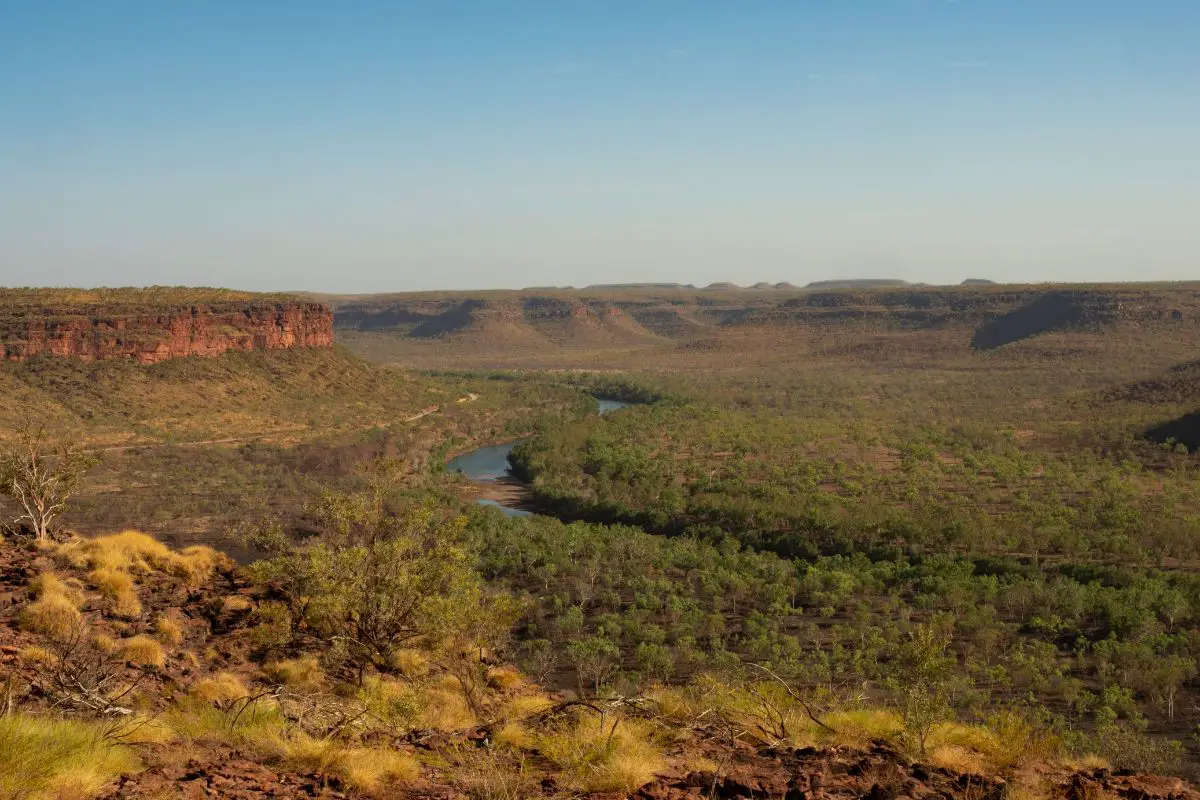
{"points": [[595, 659], [382, 577], [921, 680]]}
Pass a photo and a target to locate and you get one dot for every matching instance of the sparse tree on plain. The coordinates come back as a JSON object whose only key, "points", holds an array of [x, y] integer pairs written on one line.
{"points": [[40, 474]]}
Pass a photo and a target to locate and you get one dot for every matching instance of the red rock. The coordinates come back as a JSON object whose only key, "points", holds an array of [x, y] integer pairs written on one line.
{"points": [[185, 331]]}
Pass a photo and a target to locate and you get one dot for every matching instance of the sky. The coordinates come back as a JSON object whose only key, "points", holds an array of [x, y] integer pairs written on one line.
{"points": [[359, 146]]}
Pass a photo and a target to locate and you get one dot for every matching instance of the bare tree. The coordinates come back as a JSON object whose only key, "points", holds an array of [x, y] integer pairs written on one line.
{"points": [[40, 475]]}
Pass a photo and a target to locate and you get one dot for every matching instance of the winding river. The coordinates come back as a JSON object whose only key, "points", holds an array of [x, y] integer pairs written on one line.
{"points": [[488, 467]]}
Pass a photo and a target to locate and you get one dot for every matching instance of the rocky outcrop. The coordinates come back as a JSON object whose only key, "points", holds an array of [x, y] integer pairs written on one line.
{"points": [[157, 334]]}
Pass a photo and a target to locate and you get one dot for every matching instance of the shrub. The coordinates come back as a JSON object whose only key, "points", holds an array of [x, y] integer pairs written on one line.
{"points": [[57, 758], [143, 651], [274, 628], [378, 581]]}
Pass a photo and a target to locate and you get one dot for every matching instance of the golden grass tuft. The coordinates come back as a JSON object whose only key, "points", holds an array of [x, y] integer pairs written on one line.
{"points": [[253, 726], [167, 630], [1090, 761], [445, 709], [118, 591], [411, 663], [859, 728], [490, 775], [143, 651], [958, 759], [515, 735], [52, 615], [525, 706], [36, 656], [371, 770], [48, 584], [302, 674], [236, 603], [612, 755], [42, 757], [134, 551], [505, 679], [365, 769], [106, 643], [202, 561], [220, 688], [110, 582]]}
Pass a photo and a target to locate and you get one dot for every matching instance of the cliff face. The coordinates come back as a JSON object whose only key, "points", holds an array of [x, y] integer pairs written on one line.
{"points": [[150, 336]]}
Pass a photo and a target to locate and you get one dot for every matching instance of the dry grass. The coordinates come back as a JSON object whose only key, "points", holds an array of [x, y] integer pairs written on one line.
{"points": [[302, 674], [612, 754], [137, 552], [34, 656], [445, 709], [516, 736], [253, 726], [436, 705], [167, 630], [236, 604], [106, 643], [411, 663], [488, 775], [118, 590], [366, 769], [47, 584], [220, 688], [43, 758], [859, 728], [524, 706], [505, 679], [52, 615], [143, 651]]}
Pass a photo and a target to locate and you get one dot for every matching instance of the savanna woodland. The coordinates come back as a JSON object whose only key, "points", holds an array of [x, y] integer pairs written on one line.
{"points": [[887, 542]]}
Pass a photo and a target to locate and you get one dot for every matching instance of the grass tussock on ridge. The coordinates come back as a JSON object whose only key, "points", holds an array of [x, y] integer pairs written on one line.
{"points": [[55, 611], [134, 552], [609, 754]]}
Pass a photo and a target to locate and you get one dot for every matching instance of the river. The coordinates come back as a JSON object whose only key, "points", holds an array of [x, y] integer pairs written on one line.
{"points": [[488, 467]]}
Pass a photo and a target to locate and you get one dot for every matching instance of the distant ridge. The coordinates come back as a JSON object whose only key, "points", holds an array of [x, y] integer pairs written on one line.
{"points": [[641, 286], [857, 283], [978, 282]]}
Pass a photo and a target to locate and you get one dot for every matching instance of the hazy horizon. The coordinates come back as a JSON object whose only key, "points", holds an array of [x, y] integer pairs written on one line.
{"points": [[387, 147]]}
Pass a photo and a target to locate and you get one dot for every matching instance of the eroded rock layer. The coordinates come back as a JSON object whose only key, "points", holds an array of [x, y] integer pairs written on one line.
{"points": [[155, 335]]}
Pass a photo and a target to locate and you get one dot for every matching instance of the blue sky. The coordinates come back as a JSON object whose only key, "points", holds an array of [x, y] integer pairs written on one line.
{"points": [[385, 146]]}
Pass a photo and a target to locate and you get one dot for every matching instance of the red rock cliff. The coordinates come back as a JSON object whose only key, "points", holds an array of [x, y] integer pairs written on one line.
{"points": [[150, 337]]}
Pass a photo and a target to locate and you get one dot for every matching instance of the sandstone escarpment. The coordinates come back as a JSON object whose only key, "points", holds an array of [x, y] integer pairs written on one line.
{"points": [[156, 332]]}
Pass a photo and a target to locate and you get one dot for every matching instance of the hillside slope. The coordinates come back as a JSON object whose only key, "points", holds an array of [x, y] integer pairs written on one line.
{"points": [[221, 706]]}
